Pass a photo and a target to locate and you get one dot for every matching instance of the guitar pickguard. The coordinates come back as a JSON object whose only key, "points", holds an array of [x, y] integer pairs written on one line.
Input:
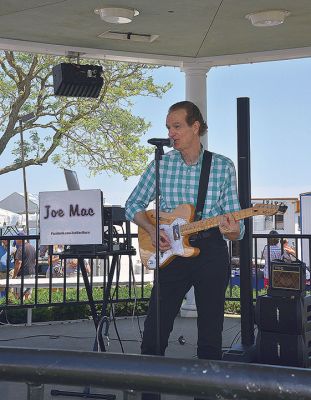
{"points": [[177, 247]]}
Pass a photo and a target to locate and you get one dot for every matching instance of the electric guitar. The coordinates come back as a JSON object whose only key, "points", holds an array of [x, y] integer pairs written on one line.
{"points": [[179, 225]]}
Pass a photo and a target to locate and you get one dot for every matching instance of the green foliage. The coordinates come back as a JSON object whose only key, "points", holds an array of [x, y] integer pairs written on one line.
{"points": [[82, 311], [100, 134], [69, 311], [234, 306], [44, 314]]}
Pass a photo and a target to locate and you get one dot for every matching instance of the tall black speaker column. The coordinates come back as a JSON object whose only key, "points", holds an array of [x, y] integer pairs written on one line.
{"points": [[244, 187], [246, 351]]}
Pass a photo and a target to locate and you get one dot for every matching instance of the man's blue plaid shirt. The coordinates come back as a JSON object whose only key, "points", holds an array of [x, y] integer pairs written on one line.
{"points": [[179, 184]]}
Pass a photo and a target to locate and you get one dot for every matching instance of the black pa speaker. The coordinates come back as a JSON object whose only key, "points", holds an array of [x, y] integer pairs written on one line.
{"points": [[75, 80], [282, 349], [291, 315]]}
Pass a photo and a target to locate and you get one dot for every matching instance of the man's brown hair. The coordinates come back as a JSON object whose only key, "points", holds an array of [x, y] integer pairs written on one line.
{"points": [[193, 114]]}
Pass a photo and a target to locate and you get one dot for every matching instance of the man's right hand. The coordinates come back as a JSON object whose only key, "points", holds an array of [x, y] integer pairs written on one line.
{"points": [[164, 244], [141, 220]]}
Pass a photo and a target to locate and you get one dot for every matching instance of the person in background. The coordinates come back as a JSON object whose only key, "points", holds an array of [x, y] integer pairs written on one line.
{"points": [[56, 262], [60, 265], [208, 272], [25, 263], [289, 254], [289, 250], [275, 253], [72, 267], [43, 250], [4, 262]]}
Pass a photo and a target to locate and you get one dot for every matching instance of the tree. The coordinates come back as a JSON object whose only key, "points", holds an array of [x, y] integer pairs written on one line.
{"points": [[100, 134]]}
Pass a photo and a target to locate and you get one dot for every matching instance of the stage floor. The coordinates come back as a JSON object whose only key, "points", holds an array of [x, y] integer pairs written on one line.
{"points": [[79, 335]]}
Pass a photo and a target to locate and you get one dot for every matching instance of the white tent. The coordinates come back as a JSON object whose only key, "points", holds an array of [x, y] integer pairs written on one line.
{"points": [[8, 218], [15, 203]]}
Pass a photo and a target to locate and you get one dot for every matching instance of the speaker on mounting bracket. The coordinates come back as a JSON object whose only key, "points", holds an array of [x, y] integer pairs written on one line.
{"points": [[77, 80]]}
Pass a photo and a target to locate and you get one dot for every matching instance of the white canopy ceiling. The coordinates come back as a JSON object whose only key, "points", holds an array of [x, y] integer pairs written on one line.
{"points": [[213, 31]]}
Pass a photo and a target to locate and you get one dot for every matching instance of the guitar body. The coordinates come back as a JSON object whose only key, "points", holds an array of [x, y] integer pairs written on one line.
{"points": [[171, 224], [179, 225]]}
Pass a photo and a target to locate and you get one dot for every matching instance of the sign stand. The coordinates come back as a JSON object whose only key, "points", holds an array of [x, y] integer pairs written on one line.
{"points": [[76, 218], [99, 341]]}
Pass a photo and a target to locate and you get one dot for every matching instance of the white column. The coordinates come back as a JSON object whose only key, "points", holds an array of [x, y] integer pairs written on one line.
{"points": [[196, 88], [196, 91]]}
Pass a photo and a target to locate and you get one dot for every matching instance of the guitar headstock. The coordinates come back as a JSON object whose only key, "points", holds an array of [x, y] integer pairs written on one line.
{"points": [[269, 209]]}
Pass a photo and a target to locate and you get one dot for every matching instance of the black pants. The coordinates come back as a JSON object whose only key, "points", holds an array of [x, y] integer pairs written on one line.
{"points": [[209, 274]]}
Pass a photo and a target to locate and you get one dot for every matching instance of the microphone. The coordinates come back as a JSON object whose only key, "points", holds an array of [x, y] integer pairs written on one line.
{"points": [[161, 142]]}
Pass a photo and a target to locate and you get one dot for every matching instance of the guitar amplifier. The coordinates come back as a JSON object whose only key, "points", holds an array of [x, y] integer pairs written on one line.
{"points": [[291, 315], [287, 278], [282, 349]]}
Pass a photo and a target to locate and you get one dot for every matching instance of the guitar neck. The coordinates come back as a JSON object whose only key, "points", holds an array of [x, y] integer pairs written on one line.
{"points": [[204, 224]]}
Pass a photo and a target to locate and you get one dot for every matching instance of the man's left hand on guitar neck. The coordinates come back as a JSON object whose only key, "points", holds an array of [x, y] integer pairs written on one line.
{"points": [[229, 227]]}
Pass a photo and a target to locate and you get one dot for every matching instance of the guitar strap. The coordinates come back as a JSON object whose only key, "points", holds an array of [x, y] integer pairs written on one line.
{"points": [[203, 183]]}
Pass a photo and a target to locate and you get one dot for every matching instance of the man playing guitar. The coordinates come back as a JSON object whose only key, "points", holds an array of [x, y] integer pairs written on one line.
{"points": [[208, 271]]}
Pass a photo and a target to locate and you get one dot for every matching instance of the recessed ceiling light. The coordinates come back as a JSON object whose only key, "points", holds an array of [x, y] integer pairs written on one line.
{"points": [[268, 18], [115, 15]]}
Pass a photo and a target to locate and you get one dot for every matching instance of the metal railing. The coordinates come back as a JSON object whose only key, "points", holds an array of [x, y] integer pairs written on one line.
{"points": [[302, 245], [134, 288], [130, 373], [48, 290]]}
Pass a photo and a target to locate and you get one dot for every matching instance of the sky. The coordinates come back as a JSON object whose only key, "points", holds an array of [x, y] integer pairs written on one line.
{"points": [[280, 114]]}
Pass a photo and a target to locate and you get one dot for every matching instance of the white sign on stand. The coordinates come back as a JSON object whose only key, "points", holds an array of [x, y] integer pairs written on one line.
{"points": [[71, 217]]}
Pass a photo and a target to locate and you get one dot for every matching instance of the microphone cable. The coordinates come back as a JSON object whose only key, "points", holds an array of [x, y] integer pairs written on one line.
{"points": [[105, 320]]}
